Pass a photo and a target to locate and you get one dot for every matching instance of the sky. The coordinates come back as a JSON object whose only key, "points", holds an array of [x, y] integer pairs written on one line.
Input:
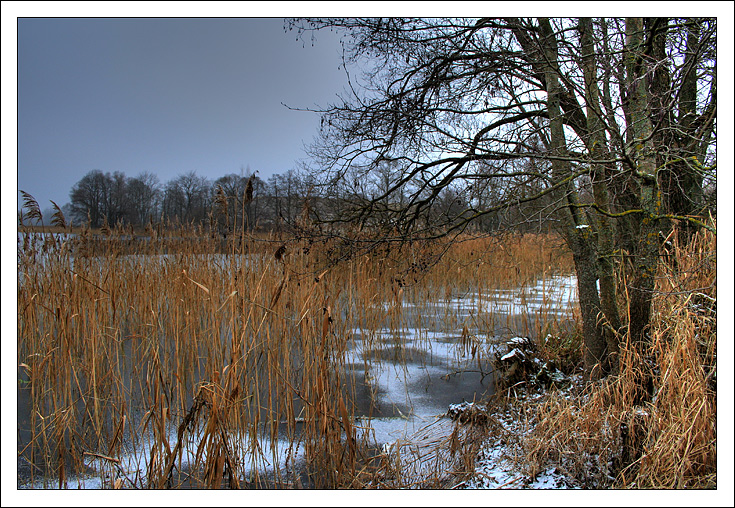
{"points": [[166, 96]]}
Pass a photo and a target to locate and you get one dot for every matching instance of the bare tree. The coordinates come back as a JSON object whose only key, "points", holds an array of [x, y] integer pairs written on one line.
{"points": [[143, 196], [90, 198], [237, 199], [229, 193], [118, 199], [286, 194], [608, 125], [187, 198]]}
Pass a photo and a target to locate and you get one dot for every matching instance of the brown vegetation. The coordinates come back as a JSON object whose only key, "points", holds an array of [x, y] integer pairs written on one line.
{"points": [[158, 348], [602, 435], [198, 363]]}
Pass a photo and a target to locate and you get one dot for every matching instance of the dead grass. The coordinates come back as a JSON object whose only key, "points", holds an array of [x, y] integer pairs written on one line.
{"points": [[172, 333], [600, 438], [197, 354]]}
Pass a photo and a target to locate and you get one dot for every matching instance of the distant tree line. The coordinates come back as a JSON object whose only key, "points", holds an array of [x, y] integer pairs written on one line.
{"points": [[235, 202]]}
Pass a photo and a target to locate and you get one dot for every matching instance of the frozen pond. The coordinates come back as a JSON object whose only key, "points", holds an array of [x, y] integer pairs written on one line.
{"points": [[408, 377], [403, 376]]}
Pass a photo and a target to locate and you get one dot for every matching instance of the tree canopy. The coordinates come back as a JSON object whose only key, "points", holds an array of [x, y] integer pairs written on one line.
{"points": [[608, 125]]}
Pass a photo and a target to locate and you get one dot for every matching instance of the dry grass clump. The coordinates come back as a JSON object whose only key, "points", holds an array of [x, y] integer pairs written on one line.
{"points": [[576, 439], [681, 449], [604, 436], [438, 456], [563, 348]]}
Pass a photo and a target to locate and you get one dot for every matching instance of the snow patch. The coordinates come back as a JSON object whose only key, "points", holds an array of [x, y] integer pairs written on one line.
{"points": [[514, 353]]}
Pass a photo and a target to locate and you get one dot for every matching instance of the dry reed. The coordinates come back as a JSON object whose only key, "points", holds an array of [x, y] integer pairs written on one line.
{"points": [[198, 356], [603, 437]]}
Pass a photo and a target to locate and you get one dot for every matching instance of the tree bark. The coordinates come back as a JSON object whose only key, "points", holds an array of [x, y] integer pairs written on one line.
{"points": [[576, 230], [596, 144], [642, 155]]}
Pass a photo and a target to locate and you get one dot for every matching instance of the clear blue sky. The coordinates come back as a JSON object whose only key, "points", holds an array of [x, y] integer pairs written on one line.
{"points": [[167, 96]]}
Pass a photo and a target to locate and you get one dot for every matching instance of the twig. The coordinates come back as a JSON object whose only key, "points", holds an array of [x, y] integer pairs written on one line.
{"points": [[100, 456]]}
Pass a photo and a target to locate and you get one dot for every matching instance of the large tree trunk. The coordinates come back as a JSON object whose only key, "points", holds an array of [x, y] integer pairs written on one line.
{"points": [[643, 149], [642, 157], [575, 228], [596, 351], [596, 144]]}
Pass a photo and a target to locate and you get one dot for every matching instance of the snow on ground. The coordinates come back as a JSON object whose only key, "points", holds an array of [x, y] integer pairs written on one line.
{"points": [[495, 468]]}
